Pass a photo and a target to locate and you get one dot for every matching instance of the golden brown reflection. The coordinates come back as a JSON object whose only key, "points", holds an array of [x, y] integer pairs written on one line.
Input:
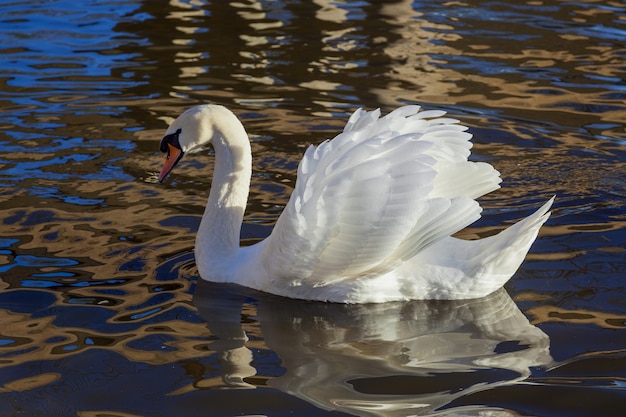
{"points": [[106, 261], [434, 81], [36, 339], [547, 314], [26, 384], [106, 413]]}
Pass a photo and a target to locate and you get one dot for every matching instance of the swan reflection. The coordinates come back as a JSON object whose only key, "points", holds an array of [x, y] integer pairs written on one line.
{"points": [[393, 359]]}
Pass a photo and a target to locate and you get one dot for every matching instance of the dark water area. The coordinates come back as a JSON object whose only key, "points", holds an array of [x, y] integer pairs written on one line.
{"points": [[101, 309]]}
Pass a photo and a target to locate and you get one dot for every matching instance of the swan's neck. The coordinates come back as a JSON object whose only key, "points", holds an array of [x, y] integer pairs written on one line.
{"points": [[219, 232]]}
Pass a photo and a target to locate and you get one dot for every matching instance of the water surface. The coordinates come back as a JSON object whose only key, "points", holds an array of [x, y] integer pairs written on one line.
{"points": [[101, 309]]}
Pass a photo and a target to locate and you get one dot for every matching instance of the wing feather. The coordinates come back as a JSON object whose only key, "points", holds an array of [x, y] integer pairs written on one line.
{"points": [[380, 192]]}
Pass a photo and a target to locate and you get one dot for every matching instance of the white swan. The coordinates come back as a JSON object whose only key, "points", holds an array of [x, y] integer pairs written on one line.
{"points": [[370, 217]]}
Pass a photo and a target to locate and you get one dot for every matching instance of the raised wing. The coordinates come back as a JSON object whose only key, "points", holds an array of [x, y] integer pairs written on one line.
{"points": [[377, 194]]}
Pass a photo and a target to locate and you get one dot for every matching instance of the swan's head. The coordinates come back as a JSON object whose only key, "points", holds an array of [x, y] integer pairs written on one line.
{"points": [[189, 133]]}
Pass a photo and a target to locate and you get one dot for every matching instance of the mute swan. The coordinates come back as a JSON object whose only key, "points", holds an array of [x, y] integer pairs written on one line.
{"points": [[370, 216]]}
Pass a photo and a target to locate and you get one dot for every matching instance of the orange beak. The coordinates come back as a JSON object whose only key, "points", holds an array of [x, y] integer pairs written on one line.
{"points": [[173, 156]]}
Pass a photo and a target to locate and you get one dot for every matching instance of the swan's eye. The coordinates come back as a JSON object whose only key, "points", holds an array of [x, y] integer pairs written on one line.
{"points": [[171, 139]]}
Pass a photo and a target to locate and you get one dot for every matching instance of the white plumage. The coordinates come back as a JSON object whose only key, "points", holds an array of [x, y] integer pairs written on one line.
{"points": [[371, 215]]}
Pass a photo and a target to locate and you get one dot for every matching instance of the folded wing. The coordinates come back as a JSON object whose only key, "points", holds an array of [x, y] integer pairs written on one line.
{"points": [[376, 195]]}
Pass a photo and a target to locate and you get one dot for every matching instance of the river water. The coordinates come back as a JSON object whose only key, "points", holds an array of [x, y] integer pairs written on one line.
{"points": [[101, 309]]}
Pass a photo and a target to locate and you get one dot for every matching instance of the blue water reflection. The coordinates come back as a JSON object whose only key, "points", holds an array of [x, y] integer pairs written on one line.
{"points": [[65, 46]]}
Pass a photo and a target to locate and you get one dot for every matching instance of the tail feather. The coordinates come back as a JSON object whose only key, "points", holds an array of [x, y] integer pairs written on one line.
{"points": [[508, 248], [476, 268]]}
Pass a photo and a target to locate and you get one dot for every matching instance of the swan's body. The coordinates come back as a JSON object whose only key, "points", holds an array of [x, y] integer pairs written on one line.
{"points": [[371, 215]]}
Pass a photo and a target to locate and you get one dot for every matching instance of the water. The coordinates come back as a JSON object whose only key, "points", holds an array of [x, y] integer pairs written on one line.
{"points": [[101, 311]]}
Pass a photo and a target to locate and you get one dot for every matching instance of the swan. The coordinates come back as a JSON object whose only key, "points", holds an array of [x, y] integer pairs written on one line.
{"points": [[370, 218]]}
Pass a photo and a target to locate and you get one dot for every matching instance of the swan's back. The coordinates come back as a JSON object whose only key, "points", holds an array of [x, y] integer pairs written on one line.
{"points": [[369, 201]]}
